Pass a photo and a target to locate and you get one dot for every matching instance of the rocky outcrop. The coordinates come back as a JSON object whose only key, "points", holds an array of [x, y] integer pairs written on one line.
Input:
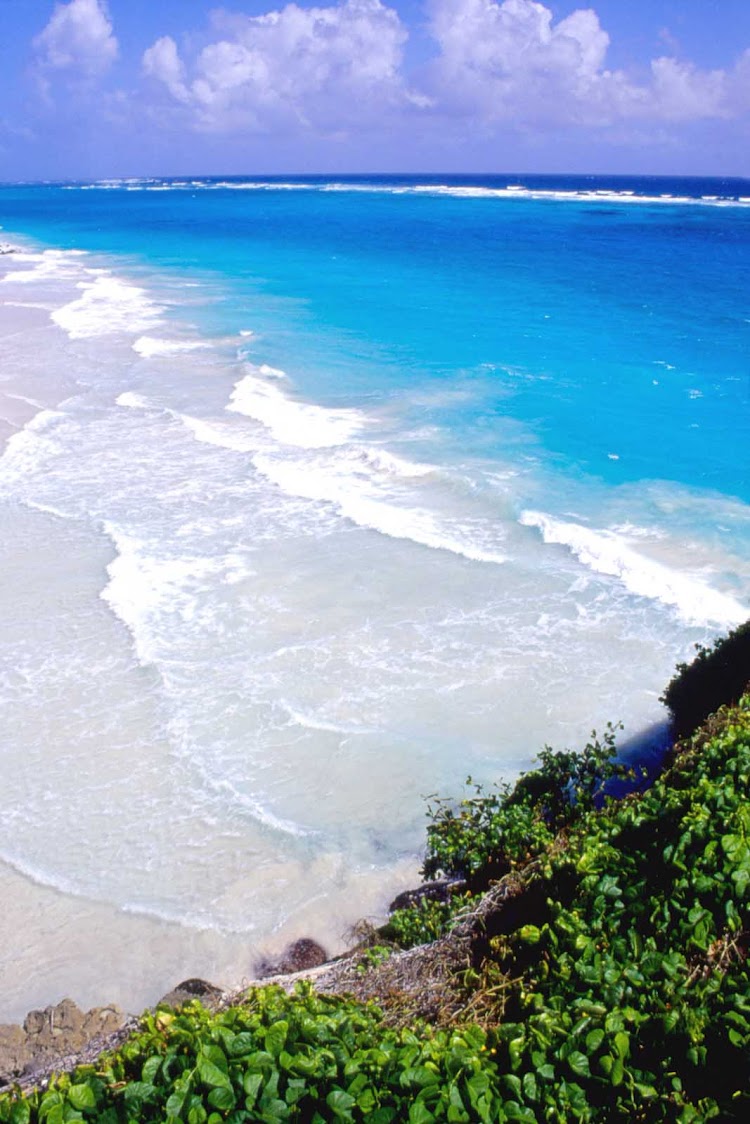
{"points": [[53, 1033]]}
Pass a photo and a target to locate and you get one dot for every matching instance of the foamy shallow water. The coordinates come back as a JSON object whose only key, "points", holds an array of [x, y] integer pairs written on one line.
{"points": [[248, 631]]}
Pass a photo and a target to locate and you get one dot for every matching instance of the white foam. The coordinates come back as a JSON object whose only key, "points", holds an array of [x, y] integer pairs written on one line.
{"points": [[45, 266], [610, 553], [108, 305], [143, 589], [217, 433], [456, 191], [302, 424], [25, 450], [351, 488], [257, 810], [150, 347], [132, 401]]}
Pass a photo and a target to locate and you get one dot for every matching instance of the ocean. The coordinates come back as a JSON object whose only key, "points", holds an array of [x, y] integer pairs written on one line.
{"points": [[319, 495]]}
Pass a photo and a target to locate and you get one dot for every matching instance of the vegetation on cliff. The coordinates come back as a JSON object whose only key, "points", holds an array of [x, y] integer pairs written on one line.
{"points": [[603, 971]]}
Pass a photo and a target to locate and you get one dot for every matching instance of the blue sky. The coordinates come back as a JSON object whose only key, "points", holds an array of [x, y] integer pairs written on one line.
{"points": [[94, 88]]}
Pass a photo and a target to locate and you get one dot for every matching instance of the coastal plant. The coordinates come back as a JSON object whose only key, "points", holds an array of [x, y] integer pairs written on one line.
{"points": [[493, 832], [717, 676], [275, 1058], [618, 991], [424, 921]]}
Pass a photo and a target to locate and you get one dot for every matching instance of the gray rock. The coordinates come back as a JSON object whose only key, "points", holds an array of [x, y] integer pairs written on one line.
{"points": [[102, 1021], [54, 1033], [59, 1027], [15, 1054]]}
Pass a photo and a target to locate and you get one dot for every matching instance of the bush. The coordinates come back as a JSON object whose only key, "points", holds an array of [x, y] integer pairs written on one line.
{"points": [[717, 677]]}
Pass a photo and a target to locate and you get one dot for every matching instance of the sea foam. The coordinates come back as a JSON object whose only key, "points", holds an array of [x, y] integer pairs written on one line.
{"points": [[150, 347], [291, 422], [355, 483], [108, 305], [608, 552]]}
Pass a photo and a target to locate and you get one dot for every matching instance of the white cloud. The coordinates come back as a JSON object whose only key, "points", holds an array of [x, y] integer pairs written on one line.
{"points": [[317, 67], [498, 64], [510, 61], [163, 62], [78, 38], [682, 92]]}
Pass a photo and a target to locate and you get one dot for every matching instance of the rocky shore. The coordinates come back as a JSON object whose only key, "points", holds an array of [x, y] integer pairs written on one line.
{"points": [[62, 1035]]}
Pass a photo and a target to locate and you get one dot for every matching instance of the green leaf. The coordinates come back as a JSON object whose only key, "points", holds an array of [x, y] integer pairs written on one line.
{"points": [[82, 1097], [340, 1103], [515, 1050], [579, 1063], [20, 1113], [216, 1056], [276, 1037], [176, 1103], [251, 1083], [530, 1088], [223, 1099], [419, 1113], [150, 1069], [382, 1116], [211, 1075], [513, 1083], [242, 1043]]}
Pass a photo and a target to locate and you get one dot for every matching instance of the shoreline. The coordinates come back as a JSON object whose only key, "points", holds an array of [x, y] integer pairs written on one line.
{"points": [[63, 921]]}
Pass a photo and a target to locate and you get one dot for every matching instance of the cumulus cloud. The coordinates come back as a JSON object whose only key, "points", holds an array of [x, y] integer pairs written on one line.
{"points": [[78, 38], [509, 60], [497, 64], [320, 67]]}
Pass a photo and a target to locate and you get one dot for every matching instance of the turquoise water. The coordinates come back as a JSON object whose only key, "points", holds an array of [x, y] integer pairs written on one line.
{"points": [[319, 495]]}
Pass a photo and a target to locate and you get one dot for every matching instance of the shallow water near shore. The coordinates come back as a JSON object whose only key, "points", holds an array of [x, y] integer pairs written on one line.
{"points": [[316, 499]]}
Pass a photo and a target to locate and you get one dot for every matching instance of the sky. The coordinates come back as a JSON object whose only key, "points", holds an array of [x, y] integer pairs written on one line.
{"points": [[109, 88]]}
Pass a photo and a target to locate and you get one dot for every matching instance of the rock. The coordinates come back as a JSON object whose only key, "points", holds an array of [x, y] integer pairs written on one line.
{"points": [[14, 1053], [438, 891], [102, 1021], [54, 1033], [192, 989], [299, 956], [59, 1028]]}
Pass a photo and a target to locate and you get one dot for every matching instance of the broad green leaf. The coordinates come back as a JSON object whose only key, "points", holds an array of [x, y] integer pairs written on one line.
{"points": [[150, 1069], [82, 1097], [341, 1104], [242, 1043], [211, 1075], [251, 1083], [419, 1113], [276, 1037], [223, 1099], [579, 1063]]}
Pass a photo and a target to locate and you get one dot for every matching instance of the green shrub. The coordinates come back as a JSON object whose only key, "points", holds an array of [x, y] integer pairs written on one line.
{"points": [[716, 677], [277, 1058]]}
